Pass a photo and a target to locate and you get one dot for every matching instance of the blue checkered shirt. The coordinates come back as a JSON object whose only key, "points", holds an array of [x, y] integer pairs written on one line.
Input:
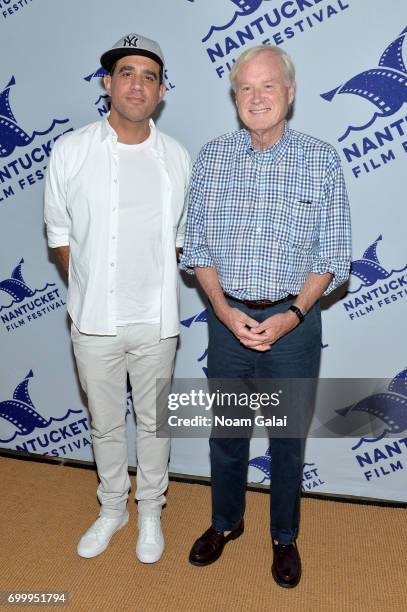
{"points": [[266, 219]]}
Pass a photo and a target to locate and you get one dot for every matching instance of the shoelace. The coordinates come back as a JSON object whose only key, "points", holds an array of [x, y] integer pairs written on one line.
{"points": [[100, 526], [150, 529]]}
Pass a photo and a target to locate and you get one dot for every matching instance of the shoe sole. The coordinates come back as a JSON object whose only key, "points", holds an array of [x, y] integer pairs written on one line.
{"points": [[99, 552], [283, 584], [236, 535], [149, 559]]}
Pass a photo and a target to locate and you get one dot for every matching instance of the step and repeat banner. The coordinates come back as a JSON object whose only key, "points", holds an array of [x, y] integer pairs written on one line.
{"points": [[351, 59]]}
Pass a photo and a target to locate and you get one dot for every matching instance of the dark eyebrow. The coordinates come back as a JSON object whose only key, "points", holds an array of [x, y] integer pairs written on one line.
{"points": [[151, 73], [147, 72], [126, 68]]}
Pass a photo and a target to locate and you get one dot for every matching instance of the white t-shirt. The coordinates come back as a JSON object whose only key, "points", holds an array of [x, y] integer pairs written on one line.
{"points": [[139, 244]]}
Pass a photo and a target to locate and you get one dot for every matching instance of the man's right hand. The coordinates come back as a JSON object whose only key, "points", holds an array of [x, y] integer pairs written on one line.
{"points": [[239, 323], [243, 327]]}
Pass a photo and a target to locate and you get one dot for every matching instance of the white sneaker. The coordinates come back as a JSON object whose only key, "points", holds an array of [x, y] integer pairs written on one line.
{"points": [[98, 536], [150, 543]]}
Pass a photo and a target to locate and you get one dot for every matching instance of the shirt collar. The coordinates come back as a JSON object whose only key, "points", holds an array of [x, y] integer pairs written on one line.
{"points": [[109, 132], [274, 153]]}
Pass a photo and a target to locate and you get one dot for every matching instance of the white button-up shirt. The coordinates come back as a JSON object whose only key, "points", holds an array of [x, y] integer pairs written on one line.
{"points": [[81, 211]]}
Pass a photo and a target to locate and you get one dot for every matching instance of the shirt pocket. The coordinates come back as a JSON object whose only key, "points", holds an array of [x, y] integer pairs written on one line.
{"points": [[304, 221]]}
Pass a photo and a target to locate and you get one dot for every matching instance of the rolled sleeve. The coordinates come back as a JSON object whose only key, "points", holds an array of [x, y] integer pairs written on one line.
{"points": [[180, 238], [196, 252], [56, 215], [334, 253]]}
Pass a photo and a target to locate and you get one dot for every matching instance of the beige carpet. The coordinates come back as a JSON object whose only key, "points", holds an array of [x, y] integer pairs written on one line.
{"points": [[354, 556]]}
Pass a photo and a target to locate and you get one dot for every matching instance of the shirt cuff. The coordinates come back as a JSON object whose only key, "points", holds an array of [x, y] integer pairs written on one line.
{"points": [[200, 259], [57, 237], [339, 269]]}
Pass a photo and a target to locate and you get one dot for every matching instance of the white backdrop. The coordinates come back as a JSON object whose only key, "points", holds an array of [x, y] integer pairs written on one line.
{"points": [[351, 60]]}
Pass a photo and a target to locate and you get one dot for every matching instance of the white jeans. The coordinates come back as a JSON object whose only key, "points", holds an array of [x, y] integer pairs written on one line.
{"points": [[103, 363]]}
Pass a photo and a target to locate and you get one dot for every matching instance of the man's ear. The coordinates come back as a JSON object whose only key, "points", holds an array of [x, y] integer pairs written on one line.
{"points": [[291, 93], [107, 81], [162, 91]]}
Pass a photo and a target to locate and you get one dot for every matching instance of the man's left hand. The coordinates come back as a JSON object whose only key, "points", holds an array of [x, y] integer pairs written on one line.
{"points": [[272, 329]]}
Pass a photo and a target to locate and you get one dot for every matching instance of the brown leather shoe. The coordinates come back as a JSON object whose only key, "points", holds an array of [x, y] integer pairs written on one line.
{"points": [[209, 547], [286, 567]]}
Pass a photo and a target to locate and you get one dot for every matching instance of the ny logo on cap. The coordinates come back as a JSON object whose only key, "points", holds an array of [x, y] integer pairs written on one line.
{"points": [[130, 41]]}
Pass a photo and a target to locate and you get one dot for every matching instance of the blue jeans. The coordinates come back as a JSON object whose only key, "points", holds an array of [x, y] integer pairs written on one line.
{"points": [[296, 355]]}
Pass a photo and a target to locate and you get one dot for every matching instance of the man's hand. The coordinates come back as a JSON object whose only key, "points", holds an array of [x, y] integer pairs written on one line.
{"points": [[273, 328], [254, 335], [242, 326]]}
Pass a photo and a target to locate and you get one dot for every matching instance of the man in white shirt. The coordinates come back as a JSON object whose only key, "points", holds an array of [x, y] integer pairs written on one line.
{"points": [[114, 210]]}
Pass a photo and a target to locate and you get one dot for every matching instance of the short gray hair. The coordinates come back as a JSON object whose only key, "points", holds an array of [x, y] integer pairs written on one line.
{"points": [[288, 66]]}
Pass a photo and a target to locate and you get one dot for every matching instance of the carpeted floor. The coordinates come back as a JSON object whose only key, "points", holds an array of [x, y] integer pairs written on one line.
{"points": [[354, 556]]}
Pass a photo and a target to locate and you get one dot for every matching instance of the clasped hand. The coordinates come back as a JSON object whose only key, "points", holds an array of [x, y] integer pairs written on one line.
{"points": [[255, 335]]}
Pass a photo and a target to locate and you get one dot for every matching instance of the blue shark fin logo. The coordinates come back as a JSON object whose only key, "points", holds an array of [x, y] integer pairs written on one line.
{"points": [[15, 286], [201, 317], [202, 358], [5, 109], [263, 463], [98, 74], [247, 7], [368, 269], [11, 135], [20, 410], [244, 7], [390, 406], [385, 86], [392, 56], [21, 391], [399, 383], [103, 97]]}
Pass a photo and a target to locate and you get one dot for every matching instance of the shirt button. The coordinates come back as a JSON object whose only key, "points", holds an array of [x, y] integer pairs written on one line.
{"points": [[115, 180], [112, 264], [111, 290], [113, 237], [258, 230], [114, 208]]}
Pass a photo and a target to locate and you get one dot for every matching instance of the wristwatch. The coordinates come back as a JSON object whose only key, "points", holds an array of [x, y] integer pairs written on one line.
{"points": [[297, 312]]}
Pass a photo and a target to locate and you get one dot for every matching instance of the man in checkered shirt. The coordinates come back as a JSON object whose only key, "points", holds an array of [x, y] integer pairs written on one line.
{"points": [[268, 234]]}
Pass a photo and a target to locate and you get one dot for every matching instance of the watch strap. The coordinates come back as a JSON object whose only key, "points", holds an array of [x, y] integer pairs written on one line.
{"points": [[297, 312]]}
